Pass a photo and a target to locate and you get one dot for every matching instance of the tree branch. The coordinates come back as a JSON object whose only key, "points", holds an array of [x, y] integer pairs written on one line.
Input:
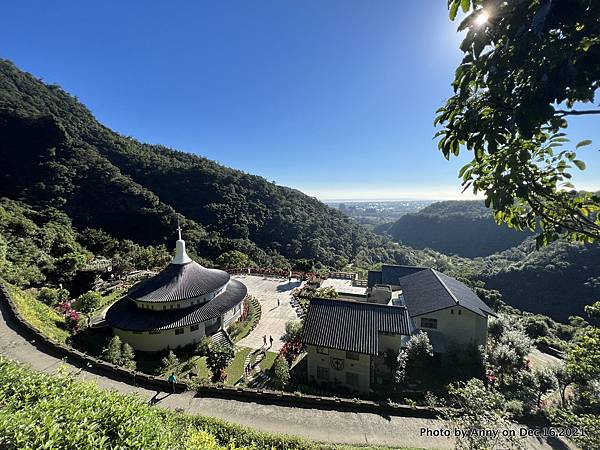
{"points": [[573, 112]]}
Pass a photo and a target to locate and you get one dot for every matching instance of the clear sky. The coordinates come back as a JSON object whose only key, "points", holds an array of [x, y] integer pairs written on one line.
{"points": [[333, 97]]}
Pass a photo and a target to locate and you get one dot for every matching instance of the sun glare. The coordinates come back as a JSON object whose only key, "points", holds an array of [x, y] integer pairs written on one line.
{"points": [[482, 18]]}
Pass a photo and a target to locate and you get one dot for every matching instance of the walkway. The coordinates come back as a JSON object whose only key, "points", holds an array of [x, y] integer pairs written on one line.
{"points": [[312, 423], [274, 316]]}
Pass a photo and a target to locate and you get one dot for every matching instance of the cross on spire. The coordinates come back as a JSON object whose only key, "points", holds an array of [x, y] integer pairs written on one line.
{"points": [[178, 229]]}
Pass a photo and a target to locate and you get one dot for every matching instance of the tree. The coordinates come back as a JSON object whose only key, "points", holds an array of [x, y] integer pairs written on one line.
{"points": [[525, 66], [169, 363], [88, 302], [281, 371], [128, 356], [545, 381], [218, 358], [51, 296], [564, 378], [476, 409], [112, 352], [415, 356], [293, 330], [583, 358], [235, 259]]}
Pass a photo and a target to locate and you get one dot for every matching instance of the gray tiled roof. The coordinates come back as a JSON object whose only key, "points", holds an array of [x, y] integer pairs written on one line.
{"points": [[391, 274], [179, 282], [352, 326], [124, 314], [429, 290]]}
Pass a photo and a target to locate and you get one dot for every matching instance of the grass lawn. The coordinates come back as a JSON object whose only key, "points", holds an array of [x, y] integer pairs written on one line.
{"points": [[268, 361], [108, 298], [41, 316], [235, 371]]}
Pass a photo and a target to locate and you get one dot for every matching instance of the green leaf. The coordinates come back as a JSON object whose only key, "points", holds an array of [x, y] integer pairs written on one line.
{"points": [[580, 164], [583, 143], [465, 4], [453, 9]]}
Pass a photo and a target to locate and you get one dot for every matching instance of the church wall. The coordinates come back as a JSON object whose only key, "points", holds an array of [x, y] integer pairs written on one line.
{"points": [[322, 368], [155, 341]]}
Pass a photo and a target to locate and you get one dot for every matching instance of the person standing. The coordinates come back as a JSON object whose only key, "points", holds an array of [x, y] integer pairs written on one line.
{"points": [[271, 341], [173, 379], [278, 302], [265, 340]]}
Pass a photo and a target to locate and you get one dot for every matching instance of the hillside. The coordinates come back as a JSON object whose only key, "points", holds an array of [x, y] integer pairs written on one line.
{"points": [[56, 154], [557, 280], [464, 228]]}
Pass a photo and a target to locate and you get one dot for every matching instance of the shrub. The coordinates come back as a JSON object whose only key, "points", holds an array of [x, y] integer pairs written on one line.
{"points": [[203, 346], [218, 358], [293, 330], [52, 297], [281, 371], [88, 302], [168, 363]]}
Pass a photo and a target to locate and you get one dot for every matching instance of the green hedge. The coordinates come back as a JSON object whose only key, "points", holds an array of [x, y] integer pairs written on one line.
{"points": [[39, 411]]}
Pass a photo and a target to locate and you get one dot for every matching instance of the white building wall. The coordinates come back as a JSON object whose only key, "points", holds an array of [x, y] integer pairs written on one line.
{"points": [[458, 325], [155, 341], [361, 367]]}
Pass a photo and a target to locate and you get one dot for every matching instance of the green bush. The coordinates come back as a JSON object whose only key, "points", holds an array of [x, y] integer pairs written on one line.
{"points": [[38, 410], [88, 302]]}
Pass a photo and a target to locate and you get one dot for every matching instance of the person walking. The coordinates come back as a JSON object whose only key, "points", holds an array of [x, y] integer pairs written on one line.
{"points": [[271, 341], [278, 302], [265, 340], [173, 379]]}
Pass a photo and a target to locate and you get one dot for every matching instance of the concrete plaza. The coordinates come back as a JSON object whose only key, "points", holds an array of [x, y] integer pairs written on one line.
{"points": [[273, 318]]}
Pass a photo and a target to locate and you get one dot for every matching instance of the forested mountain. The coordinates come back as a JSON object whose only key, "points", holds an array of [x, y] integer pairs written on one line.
{"points": [[465, 228], [75, 189], [55, 154], [557, 280]]}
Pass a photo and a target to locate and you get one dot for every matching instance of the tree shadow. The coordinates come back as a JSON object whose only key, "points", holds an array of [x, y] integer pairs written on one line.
{"points": [[289, 286]]}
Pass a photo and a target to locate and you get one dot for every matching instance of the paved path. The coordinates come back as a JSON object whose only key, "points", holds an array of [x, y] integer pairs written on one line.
{"points": [[312, 423], [273, 317]]}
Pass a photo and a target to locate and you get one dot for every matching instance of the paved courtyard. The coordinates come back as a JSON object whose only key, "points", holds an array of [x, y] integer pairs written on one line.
{"points": [[343, 286], [273, 318]]}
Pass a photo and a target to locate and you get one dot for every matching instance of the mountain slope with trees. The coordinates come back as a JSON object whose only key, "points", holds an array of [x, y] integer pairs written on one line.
{"points": [[133, 190], [465, 228]]}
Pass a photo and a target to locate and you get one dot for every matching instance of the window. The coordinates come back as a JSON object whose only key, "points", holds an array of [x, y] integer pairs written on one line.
{"points": [[459, 312], [155, 332], [322, 373], [451, 311], [352, 355], [178, 330], [352, 379], [323, 350], [194, 328], [427, 322]]}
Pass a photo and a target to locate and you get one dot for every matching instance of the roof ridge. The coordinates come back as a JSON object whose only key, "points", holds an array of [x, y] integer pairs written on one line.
{"points": [[357, 302], [437, 275]]}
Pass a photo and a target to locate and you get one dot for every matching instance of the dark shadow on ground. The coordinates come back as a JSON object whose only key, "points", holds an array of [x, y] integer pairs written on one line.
{"points": [[290, 285], [157, 399]]}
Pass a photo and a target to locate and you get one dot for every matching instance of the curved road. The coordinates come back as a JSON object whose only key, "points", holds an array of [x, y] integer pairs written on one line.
{"points": [[316, 424]]}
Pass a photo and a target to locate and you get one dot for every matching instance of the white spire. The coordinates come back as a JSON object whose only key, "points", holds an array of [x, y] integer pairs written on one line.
{"points": [[181, 256]]}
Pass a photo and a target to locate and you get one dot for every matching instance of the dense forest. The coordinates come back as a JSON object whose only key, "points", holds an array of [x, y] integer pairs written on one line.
{"points": [[465, 228], [138, 191]]}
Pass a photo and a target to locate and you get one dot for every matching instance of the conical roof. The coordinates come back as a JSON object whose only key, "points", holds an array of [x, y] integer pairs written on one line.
{"points": [[179, 282], [182, 279]]}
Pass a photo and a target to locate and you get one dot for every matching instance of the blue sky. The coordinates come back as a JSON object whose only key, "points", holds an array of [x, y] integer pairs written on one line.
{"points": [[335, 97]]}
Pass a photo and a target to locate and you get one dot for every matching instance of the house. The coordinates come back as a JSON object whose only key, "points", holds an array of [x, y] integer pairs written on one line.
{"points": [[346, 340], [178, 306]]}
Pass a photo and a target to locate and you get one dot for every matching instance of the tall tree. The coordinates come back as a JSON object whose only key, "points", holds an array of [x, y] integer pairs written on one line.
{"points": [[527, 66]]}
